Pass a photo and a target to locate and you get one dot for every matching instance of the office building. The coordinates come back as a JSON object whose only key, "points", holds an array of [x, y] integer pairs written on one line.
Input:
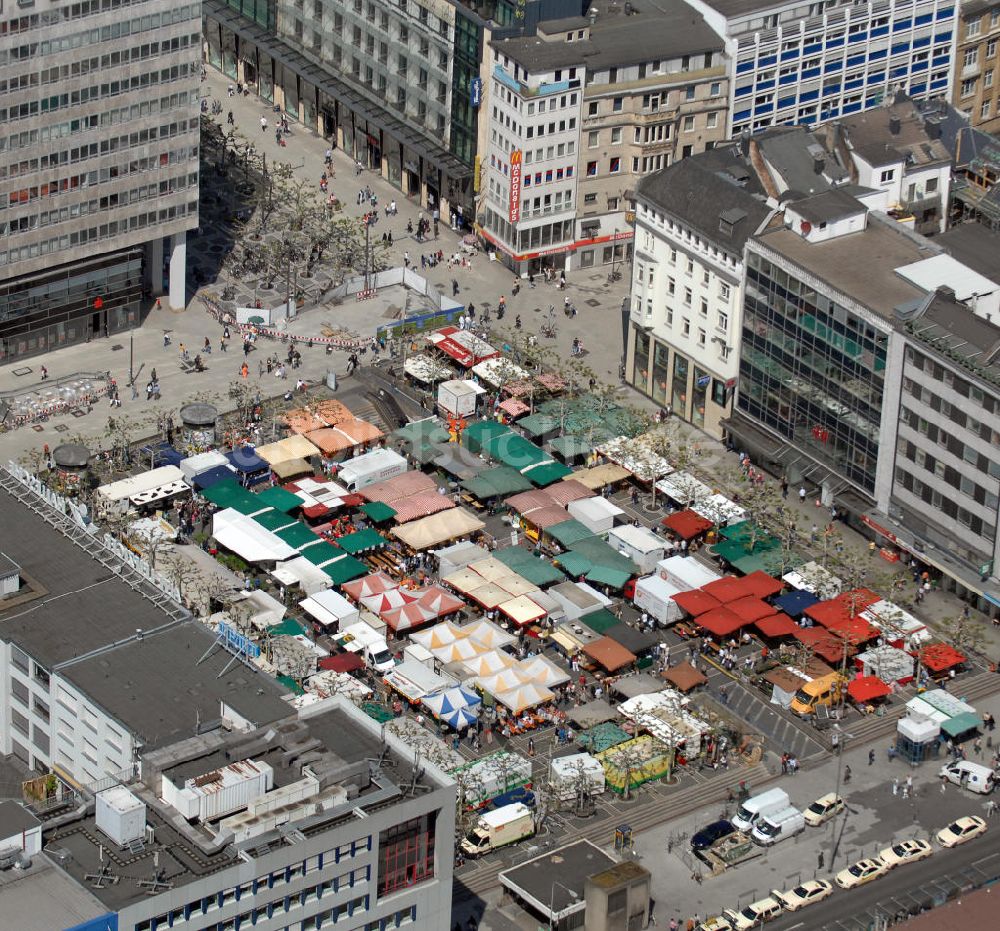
{"points": [[795, 62], [98, 165], [692, 221], [578, 112], [976, 90]]}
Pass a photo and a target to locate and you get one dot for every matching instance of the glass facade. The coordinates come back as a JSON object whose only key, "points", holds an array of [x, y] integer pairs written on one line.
{"points": [[46, 311], [465, 68], [812, 371]]}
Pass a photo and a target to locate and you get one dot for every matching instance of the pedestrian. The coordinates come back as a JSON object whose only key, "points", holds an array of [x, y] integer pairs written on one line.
{"points": [[45, 373], [891, 752], [406, 259], [820, 861], [991, 808], [531, 746], [263, 124], [244, 370], [871, 757], [908, 788], [802, 495], [895, 786], [847, 775], [944, 784]]}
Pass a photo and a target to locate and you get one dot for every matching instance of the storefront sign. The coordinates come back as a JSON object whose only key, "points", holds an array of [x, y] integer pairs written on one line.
{"points": [[515, 187], [476, 92], [878, 529], [477, 175]]}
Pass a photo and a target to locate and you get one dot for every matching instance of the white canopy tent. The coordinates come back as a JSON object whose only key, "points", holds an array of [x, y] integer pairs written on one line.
{"points": [[438, 528], [299, 571], [145, 488], [719, 509], [815, 579], [245, 537], [202, 462], [684, 488], [331, 609], [499, 371], [597, 514]]}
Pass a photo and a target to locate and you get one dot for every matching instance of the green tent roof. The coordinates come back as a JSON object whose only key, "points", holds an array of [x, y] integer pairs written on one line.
{"points": [[536, 570], [496, 483], [574, 564], [605, 575], [289, 627], [274, 520], [602, 737], [960, 724], [345, 569], [569, 532], [737, 531], [570, 446], [362, 540], [537, 424], [601, 554], [477, 436], [378, 511], [289, 683], [774, 562], [425, 432], [280, 499], [321, 553], [600, 621], [298, 535], [548, 473], [231, 494], [734, 550]]}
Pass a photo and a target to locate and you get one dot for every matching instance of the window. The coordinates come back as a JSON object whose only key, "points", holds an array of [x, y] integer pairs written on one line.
{"points": [[991, 48], [612, 203], [687, 297], [406, 854], [615, 165], [704, 307], [971, 57], [686, 326], [723, 321], [593, 139], [616, 104], [689, 92], [715, 90], [616, 136], [688, 124], [887, 175], [968, 87], [712, 121], [930, 185], [988, 78], [723, 291], [973, 26], [984, 110], [592, 108], [702, 335], [591, 169]]}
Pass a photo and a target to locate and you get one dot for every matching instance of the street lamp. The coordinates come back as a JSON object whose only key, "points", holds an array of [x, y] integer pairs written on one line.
{"points": [[552, 892]]}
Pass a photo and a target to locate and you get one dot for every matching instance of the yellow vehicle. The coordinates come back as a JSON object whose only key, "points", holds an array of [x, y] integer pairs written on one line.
{"points": [[825, 690]]}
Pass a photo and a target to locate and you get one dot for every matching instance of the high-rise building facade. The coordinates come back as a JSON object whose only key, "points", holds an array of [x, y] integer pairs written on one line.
{"points": [[98, 164], [976, 89]]}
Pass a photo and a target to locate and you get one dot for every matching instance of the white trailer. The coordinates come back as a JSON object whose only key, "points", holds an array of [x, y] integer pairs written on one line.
{"points": [[576, 773], [653, 595], [640, 544], [369, 468], [458, 396]]}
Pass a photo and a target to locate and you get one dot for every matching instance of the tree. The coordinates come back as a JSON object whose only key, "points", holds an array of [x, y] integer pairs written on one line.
{"points": [[965, 633]]}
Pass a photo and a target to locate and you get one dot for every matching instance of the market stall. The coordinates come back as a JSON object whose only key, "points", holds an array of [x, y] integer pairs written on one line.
{"points": [[330, 609], [634, 762], [609, 654], [684, 489], [438, 528], [684, 677], [687, 524], [414, 681], [887, 662], [815, 579], [686, 572], [246, 538]]}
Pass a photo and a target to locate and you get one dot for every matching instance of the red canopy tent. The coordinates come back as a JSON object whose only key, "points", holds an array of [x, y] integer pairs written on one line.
{"points": [[750, 609], [867, 688], [939, 657], [342, 662], [720, 621], [855, 629], [687, 524], [727, 589], [777, 625], [824, 644], [828, 612], [316, 511], [696, 602], [761, 585]]}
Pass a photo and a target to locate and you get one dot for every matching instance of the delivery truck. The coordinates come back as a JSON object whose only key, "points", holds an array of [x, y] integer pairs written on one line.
{"points": [[369, 644], [498, 828], [369, 468]]}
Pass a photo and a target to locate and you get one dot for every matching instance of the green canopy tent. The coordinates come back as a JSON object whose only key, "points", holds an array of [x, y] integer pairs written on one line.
{"points": [[289, 627], [602, 737], [298, 535], [280, 499], [378, 511], [602, 554], [344, 568], [606, 575], [775, 561], [421, 432], [477, 436], [574, 564], [361, 541], [321, 553], [600, 621], [961, 724], [496, 483], [570, 446], [538, 424], [536, 570], [289, 683], [569, 532], [734, 550], [547, 473], [231, 494], [274, 520]]}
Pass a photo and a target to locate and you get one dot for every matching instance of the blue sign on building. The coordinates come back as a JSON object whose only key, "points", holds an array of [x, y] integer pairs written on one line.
{"points": [[238, 643], [476, 92]]}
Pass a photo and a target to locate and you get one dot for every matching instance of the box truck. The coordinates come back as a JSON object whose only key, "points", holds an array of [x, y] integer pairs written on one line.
{"points": [[369, 468], [757, 806], [369, 643], [498, 828]]}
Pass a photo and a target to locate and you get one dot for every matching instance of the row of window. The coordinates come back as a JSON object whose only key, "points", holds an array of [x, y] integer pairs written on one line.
{"points": [[58, 15], [965, 452], [974, 25], [944, 503], [96, 92], [932, 465], [75, 40], [96, 233]]}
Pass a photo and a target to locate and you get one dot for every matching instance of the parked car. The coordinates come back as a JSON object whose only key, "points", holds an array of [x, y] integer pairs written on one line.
{"points": [[906, 851], [756, 913], [823, 809], [717, 923], [812, 890], [962, 830], [864, 871], [707, 836]]}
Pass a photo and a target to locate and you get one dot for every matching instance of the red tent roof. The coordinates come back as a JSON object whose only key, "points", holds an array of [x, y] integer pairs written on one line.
{"points": [[859, 599], [720, 621], [727, 589], [865, 688], [938, 657], [825, 645], [828, 612], [342, 662], [687, 524], [316, 511], [777, 625], [750, 609], [855, 629], [609, 653], [696, 602], [761, 585]]}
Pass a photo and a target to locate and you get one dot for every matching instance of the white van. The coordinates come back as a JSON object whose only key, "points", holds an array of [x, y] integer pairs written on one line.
{"points": [[779, 826], [972, 776], [764, 804]]}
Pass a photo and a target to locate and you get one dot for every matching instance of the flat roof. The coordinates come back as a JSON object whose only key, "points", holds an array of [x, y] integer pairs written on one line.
{"points": [[555, 880], [943, 270], [79, 605], [154, 687], [878, 249], [975, 245], [45, 897], [733, 8], [15, 818]]}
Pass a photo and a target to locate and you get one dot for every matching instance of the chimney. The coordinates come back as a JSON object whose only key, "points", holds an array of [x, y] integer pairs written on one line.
{"points": [[745, 142], [933, 129], [819, 163], [894, 125]]}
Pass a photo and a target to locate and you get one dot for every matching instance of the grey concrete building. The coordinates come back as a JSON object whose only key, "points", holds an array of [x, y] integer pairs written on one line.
{"points": [[98, 164]]}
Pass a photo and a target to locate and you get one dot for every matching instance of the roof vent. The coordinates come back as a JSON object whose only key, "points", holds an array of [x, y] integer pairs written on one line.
{"points": [[592, 15], [894, 125]]}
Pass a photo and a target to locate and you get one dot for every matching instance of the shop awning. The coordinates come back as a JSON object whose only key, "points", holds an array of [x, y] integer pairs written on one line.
{"points": [[574, 564], [721, 622], [963, 723], [212, 476], [463, 346], [686, 524], [684, 676], [361, 541], [522, 610], [547, 472], [696, 602], [777, 625], [855, 629], [342, 662], [867, 688], [378, 511], [322, 553], [291, 468], [246, 461], [600, 621]]}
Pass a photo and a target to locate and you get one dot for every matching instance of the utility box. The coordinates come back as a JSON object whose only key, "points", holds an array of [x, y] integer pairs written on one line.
{"points": [[120, 815]]}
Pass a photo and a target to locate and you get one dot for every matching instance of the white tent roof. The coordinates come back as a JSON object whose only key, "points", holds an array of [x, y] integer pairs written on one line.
{"points": [[330, 607], [594, 508], [291, 447], [264, 610], [424, 368], [438, 528], [499, 370], [245, 537], [639, 538], [543, 670], [160, 483], [202, 462], [814, 578], [527, 695], [719, 509], [301, 572], [684, 488]]}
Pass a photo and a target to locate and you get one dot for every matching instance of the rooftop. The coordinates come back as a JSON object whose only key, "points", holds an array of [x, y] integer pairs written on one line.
{"points": [[879, 249], [828, 207], [703, 194], [871, 134], [796, 155], [156, 687], [75, 605], [14, 819], [556, 880], [975, 245], [732, 9], [45, 897], [657, 30]]}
